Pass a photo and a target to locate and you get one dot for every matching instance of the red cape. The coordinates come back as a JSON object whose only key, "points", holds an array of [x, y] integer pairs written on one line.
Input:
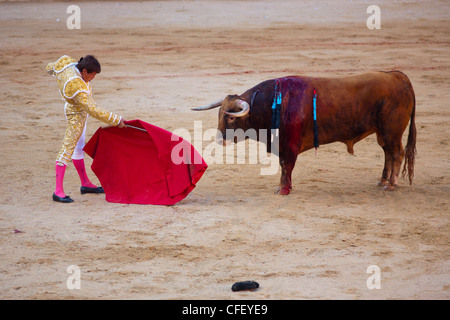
{"points": [[135, 166]]}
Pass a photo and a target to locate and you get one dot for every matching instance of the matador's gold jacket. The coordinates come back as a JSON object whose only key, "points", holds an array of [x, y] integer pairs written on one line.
{"points": [[76, 91]]}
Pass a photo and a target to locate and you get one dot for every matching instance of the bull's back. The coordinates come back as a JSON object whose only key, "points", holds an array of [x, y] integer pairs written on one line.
{"points": [[350, 108]]}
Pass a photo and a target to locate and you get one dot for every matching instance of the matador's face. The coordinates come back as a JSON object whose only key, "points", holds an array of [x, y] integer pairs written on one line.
{"points": [[88, 76]]}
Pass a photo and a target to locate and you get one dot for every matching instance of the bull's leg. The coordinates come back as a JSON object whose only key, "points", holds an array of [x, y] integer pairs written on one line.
{"points": [[398, 154], [394, 154], [287, 162], [387, 162], [387, 169]]}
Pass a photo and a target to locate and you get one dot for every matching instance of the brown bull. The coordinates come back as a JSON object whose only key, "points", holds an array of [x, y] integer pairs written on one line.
{"points": [[348, 109]]}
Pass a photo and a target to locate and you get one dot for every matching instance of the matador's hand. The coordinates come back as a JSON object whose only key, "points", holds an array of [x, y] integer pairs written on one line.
{"points": [[122, 123]]}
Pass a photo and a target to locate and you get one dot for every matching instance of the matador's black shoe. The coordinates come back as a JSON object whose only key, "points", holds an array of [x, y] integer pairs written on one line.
{"points": [[65, 199], [84, 190]]}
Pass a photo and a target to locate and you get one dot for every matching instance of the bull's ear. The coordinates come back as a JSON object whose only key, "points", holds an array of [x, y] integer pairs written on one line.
{"points": [[213, 105], [254, 97]]}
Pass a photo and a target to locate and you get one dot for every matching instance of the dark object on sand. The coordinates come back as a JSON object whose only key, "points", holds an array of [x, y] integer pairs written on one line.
{"points": [[245, 285]]}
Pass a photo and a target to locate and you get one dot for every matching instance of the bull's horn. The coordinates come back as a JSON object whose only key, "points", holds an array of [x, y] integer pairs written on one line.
{"points": [[245, 109], [213, 105]]}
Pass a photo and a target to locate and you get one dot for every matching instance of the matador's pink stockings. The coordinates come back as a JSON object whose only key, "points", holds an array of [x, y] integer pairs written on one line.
{"points": [[59, 189], [81, 169]]}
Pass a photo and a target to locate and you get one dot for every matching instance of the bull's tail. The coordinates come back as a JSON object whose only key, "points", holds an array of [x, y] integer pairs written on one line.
{"points": [[410, 150]]}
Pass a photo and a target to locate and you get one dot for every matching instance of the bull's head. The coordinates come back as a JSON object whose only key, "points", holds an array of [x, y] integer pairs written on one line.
{"points": [[233, 114]]}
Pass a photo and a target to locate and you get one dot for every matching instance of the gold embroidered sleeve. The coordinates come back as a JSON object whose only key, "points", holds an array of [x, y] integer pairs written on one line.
{"points": [[86, 102], [73, 87]]}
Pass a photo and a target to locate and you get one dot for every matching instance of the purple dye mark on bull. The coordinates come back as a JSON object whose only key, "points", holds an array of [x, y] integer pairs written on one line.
{"points": [[294, 111], [292, 90]]}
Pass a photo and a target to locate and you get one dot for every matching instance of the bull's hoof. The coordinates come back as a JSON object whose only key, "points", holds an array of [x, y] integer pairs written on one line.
{"points": [[383, 183], [389, 187], [283, 191]]}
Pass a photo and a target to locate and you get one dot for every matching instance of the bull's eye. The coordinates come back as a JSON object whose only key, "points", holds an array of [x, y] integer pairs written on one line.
{"points": [[231, 118]]}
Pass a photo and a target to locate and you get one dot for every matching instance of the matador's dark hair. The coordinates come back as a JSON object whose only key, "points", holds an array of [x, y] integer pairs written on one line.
{"points": [[90, 63]]}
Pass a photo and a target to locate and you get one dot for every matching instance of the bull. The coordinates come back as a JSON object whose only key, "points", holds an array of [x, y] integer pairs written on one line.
{"points": [[347, 109]]}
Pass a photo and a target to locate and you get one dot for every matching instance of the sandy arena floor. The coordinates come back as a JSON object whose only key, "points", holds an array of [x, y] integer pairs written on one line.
{"points": [[161, 58]]}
